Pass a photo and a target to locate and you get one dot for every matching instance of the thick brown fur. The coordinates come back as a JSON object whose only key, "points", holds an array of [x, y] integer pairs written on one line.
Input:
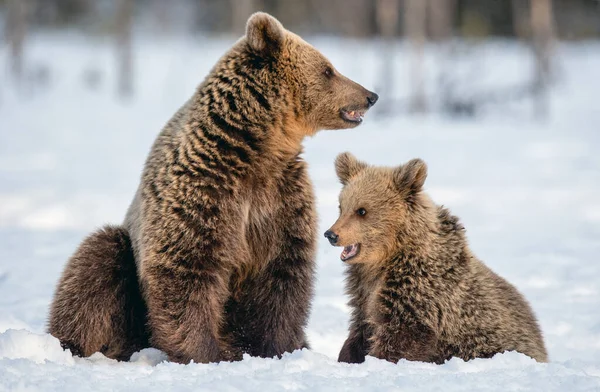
{"points": [[98, 306], [416, 290], [223, 224]]}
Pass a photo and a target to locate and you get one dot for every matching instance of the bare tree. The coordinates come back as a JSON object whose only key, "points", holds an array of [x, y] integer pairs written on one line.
{"points": [[349, 17], [440, 18], [387, 12], [542, 27], [415, 20], [519, 17], [16, 30], [240, 11], [162, 9], [124, 47]]}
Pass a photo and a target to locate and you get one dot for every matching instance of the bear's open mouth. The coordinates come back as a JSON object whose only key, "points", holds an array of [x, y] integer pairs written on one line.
{"points": [[353, 115], [349, 252]]}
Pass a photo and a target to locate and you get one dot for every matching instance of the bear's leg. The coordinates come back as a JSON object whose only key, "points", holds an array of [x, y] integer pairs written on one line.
{"points": [[98, 306], [185, 272], [186, 309], [188, 252], [272, 310], [269, 317], [356, 347], [410, 340]]}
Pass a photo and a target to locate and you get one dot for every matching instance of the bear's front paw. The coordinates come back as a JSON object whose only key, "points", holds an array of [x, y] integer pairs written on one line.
{"points": [[230, 355], [352, 352], [379, 351]]}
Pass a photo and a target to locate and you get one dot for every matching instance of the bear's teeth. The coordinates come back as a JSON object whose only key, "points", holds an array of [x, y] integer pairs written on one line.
{"points": [[349, 252]]}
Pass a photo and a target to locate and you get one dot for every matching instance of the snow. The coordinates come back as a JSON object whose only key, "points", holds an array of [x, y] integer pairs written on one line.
{"points": [[301, 370], [19, 343], [527, 191]]}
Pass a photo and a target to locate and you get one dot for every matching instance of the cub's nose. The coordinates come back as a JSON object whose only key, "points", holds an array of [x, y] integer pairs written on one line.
{"points": [[371, 99], [331, 236]]}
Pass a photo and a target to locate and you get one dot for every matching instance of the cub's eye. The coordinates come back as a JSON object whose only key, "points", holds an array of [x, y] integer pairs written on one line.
{"points": [[328, 72], [361, 212]]}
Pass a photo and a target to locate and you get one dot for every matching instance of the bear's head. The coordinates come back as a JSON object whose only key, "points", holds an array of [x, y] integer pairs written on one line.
{"points": [[314, 93], [383, 210]]}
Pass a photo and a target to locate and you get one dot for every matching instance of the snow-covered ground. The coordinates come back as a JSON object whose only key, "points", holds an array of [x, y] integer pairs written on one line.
{"points": [[528, 193]]}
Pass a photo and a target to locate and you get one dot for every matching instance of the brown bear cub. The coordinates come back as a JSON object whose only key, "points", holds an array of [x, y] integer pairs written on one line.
{"points": [[417, 292], [216, 256]]}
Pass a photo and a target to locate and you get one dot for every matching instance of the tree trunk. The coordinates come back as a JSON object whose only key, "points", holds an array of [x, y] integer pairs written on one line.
{"points": [[386, 14], [124, 47], [542, 27], [162, 9], [387, 17], [441, 17], [519, 16], [16, 30], [415, 20], [240, 11]]}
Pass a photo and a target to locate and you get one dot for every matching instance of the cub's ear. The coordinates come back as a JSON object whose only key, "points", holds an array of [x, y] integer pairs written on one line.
{"points": [[411, 176], [347, 166], [264, 34]]}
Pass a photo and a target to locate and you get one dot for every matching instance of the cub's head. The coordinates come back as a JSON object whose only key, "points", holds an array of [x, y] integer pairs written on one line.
{"points": [[382, 209], [318, 95]]}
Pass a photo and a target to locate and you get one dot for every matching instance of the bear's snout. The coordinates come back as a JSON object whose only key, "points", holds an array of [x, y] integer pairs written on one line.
{"points": [[372, 99], [332, 237]]}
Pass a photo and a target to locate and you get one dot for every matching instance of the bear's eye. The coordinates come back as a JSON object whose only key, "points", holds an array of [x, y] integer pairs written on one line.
{"points": [[361, 212], [328, 72]]}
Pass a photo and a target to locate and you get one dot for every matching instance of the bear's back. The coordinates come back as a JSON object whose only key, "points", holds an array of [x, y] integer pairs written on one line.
{"points": [[501, 314]]}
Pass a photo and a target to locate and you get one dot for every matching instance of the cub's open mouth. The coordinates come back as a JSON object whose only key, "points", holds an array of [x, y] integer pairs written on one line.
{"points": [[354, 115], [350, 251]]}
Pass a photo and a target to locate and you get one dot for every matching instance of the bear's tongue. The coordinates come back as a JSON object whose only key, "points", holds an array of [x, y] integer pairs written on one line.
{"points": [[349, 252]]}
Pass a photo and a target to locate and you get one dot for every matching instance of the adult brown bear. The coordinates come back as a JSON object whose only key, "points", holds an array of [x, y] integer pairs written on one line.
{"points": [[220, 238]]}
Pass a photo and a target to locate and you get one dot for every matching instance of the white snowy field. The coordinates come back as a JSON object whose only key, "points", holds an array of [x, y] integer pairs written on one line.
{"points": [[527, 191]]}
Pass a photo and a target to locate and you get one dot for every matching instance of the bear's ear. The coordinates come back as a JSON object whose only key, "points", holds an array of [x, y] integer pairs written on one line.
{"points": [[411, 176], [347, 166], [264, 34]]}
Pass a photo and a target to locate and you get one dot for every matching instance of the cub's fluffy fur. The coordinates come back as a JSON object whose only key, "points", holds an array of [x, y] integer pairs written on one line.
{"points": [[416, 289]]}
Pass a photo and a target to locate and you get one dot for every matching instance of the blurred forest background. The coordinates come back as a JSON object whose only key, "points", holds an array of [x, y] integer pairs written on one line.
{"points": [[420, 23], [575, 19]]}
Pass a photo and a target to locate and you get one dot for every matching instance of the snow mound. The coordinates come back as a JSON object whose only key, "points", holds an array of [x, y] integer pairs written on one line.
{"points": [[11, 322], [300, 370], [149, 356], [19, 343]]}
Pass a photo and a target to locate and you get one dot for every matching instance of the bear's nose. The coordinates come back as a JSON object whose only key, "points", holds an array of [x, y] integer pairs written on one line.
{"points": [[331, 236], [371, 99]]}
